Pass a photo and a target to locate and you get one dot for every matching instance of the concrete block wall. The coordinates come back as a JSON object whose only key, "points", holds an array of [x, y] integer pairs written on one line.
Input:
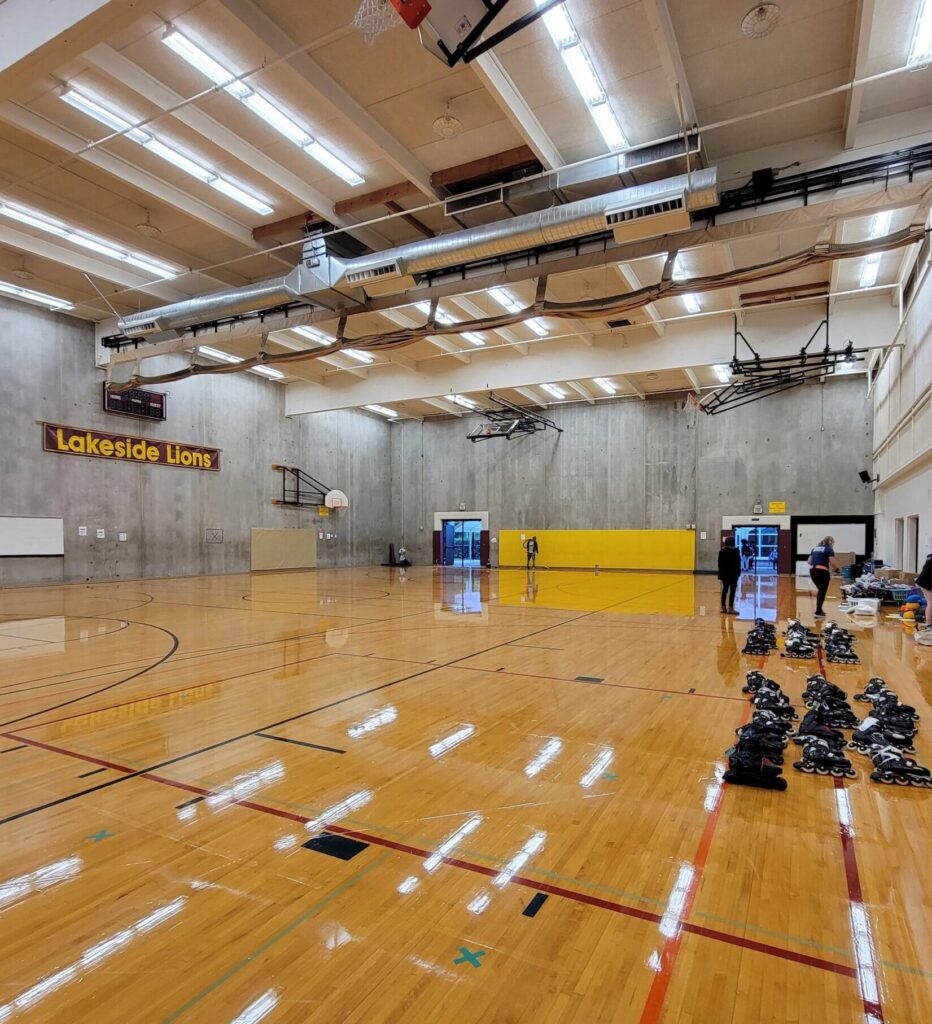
{"points": [[632, 464], [49, 374]]}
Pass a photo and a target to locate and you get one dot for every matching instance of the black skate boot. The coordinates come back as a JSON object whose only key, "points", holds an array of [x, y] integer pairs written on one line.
{"points": [[891, 767], [824, 759]]}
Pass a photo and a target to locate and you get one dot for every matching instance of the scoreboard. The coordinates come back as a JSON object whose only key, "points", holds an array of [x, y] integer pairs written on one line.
{"points": [[149, 405]]}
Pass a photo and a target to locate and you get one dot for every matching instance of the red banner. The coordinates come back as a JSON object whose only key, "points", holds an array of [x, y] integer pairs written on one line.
{"points": [[96, 444]]}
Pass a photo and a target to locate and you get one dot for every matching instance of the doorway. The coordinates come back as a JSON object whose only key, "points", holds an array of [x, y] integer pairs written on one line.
{"points": [[759, 547], [911, 563], [460, 542]]}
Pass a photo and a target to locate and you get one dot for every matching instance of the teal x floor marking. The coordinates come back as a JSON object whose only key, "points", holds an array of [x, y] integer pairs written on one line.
{"points": [[469, 958], [102, 834], [609, 776]]}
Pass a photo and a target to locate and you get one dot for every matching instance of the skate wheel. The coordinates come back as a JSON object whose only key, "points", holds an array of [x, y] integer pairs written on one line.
{"points": [[886, 780], [851, 745], [901, 782], [803, 767], [851, 774], [822, 771]]}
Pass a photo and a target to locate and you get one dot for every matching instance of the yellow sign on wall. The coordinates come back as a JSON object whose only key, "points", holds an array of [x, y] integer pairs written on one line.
{"points": [[776, 508]]}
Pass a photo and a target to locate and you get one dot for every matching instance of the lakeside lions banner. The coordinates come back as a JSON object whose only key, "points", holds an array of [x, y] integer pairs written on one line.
{"points": [[97, 444]]}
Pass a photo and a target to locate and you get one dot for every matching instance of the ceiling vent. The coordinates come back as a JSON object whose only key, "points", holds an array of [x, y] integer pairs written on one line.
{"points": [[386, 279], [619, 325], [648, 219], [141, 327]]}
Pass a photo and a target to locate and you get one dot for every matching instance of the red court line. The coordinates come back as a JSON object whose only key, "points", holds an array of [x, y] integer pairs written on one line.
{"points": [[530, 883]]}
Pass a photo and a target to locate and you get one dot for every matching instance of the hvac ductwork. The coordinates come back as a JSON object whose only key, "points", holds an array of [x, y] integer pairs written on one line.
{"points": [[642, 211]]}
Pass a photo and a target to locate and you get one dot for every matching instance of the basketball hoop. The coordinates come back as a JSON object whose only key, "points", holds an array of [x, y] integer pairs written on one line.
{"points": [[374, 18], [337, 501]]}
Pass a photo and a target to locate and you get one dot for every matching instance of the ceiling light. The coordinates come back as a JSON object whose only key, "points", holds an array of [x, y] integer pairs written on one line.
{"points": [[31, 296], [381, 410], [22, 272], [578, 63], [920, 52], [267, 371], [761, 20], [554, 390], [397, 317], [359, 356], [679, 272], [505, 299], [147, 228], [537, 326], [722, 372], [606, 385], [870, 270], [467, 403], [215, 353], [262, 107], [880, 223], [313, 334], [475, 339], [439, 317], [166, 152], [55, 227], [691, 303]]}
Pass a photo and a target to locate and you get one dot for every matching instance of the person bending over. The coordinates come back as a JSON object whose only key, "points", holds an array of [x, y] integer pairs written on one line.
{"points": [[821, 564], [729, 570]]}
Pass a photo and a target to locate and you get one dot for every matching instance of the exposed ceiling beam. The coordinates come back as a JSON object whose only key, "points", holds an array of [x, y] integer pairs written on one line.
{"points": [[862, 37], [345, 363], [693, 379], [448, 407], [378, 197], [497, 80], [448, 347], [531, 396], [329, 90], [120, 68], [93, 265], [409, 219], [633, 282], [485, 167], [129, 173], [470, 307], [287, 226], [582, 391], [633, 384], [661, 25]]}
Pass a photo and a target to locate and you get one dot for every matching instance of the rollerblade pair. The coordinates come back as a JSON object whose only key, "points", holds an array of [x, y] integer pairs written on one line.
{"points": [[876, 691], [749, 765], [819, 688], [836, 714], [761, 640], [839, 645], [800, 641], [755, 680], [874, 732], [823, 758], [892, 768], [813, 725]]}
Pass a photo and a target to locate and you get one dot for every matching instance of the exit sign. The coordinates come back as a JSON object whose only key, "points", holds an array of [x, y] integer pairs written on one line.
{"points": [[148, 405]]}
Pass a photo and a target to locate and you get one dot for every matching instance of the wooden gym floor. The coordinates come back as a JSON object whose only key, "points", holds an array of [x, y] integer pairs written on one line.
{"points": [[510, 790]]}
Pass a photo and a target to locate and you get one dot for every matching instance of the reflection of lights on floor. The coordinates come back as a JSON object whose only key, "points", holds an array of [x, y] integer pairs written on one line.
{"points": [[373, 722], [468, 826], [479, 902], [409, 885], [244, 786], [520, 859], [439, 748], [543, 757], [601, 762], [340, 809], [41, 878], [714, 789], [262, 1007], [670, 922]]}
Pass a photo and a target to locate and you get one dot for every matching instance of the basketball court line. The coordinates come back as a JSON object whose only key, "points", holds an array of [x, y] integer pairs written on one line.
{"points": [[422, 853]]}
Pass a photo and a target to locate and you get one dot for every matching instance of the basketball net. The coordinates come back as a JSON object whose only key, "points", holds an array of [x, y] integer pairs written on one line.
{"points": [[374, 18]]}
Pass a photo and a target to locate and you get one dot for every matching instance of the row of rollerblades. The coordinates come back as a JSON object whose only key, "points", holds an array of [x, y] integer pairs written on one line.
{"points": [[839, 645], [757, 756], [762, 638], [886, 736], [818, 733], [800, 641]]}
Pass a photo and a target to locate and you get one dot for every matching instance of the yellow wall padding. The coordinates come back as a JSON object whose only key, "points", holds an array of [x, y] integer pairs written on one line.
{"points": [[609, 549]]}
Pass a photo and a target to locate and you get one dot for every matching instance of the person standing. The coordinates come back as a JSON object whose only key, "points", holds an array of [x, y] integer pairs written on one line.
{"points": [[924, 583], [821, 564], [729, 570], [531, 547], [745, 555]]}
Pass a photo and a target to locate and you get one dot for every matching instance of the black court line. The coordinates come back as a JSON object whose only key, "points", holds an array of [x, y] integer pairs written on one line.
{"points": [[536, 903], [188, 803], [284, 721], [590, 679], [96, 771], [299, 743], [9, 750]]}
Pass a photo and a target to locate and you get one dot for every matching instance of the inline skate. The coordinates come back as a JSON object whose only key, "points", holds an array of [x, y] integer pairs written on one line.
{"points": [[821, 758], [892, 768], [874, 733]]}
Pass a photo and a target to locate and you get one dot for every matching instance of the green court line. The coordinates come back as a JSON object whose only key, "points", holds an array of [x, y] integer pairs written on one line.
{"points": [[739, 926], [277, 937]]}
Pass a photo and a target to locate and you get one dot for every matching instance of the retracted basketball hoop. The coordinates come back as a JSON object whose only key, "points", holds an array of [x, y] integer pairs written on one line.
{"points": [[336, 500]]}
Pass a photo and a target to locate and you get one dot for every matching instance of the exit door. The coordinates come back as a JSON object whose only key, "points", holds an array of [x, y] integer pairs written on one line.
{"points": [[460, 541]]}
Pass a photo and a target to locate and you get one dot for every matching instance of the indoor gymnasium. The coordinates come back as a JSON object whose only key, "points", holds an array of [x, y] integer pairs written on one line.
{"points": [[465, 512]]}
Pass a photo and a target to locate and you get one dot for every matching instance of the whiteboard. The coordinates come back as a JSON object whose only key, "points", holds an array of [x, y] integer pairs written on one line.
{"points": [[31, 535], [848, 537]]}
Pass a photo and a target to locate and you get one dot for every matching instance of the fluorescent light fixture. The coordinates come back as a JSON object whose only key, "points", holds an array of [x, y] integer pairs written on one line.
{"points": [[168, 153], [920, 52], [580, 68], [215, 353], [605, 384], [880, 223], [537, 326], [267, 371], [578, 63], [29, 295], [473, 338], [312, 334], [270, 112], [554, 390], [505, 299], [679, 273], [55, 227], [439, 316], [722, 372], [691, 303], [358, 355], [381, 410], [870, 270], [466, 403]]}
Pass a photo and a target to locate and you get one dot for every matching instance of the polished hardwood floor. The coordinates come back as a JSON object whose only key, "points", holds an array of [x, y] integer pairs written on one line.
{"points": [[448, 795]]}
